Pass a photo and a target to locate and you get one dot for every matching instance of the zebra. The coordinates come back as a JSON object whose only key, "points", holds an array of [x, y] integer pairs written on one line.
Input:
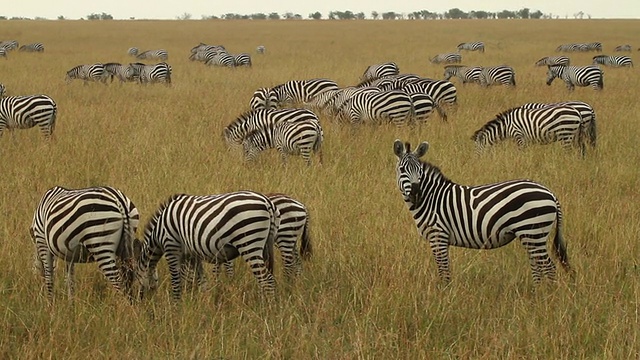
{"points": [[389, 82], [3, 53], [9, 45], [587, 114], [301, 91], [253, 120], [443, 93], [378, 71], [394, 106], [466, 74], [324, 101], [472, 46], [479, 217], [450, 58], [124, 73], [214, 228], [626, 47], [93, 72], [289, 137], [612, 61], [577, 75], [159, 54], [133, 51], [242, 59], [3, 90], [160, 72], [497, 75], [95, 224], [339, 99], [24, 112], [553, 60], [294, 225], [260, 49], [263, 98], [544, 125], [594, 46], [221, 59], [572, 48], [35, 47]]}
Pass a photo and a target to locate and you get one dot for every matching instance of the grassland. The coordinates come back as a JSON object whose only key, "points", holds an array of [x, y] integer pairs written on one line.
{"points": [[371, 291]]}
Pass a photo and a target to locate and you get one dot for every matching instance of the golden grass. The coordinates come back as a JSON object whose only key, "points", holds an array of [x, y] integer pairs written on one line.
{"points": [[371, 291]]}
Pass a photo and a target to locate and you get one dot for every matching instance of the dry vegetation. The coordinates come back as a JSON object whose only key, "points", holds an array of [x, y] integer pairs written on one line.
{"points": [[371, 291]]}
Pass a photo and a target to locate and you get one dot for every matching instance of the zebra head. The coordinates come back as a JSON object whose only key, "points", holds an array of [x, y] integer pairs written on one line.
{"points": [[554, 72], [144, 276], [410, 170]]}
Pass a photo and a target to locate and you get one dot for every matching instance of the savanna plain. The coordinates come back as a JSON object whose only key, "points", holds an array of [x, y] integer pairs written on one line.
{"points": [[371, 290]]}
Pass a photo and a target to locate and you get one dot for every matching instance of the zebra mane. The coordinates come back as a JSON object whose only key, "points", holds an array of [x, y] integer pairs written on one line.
{"points": [[151, 224], [432, 171], [242, 118], [500, 118]]}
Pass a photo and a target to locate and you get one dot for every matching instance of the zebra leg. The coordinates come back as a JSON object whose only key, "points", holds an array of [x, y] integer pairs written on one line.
{"points": [[440, 248], [539, 260], [258, 267], [290, 258], [173, 260], [48, 267], [108, 264], [69, 277]]}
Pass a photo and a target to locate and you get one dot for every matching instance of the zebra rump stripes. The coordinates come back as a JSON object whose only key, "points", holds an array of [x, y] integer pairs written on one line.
{"points": [[94, 72], [85, 225], [472, 46], [24, 112], [553, 60], [213, 228], [577, 75], [613, 61], [497, 75], [35, 47], [451, 58], [378, 71], [479, 217], [586, 112]]}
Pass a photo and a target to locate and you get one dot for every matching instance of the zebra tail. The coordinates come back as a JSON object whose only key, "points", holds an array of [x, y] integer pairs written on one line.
{"points": [[582, 130], [559, 244], [593, 131], [271, 238], [440, 110], [306, 249]]}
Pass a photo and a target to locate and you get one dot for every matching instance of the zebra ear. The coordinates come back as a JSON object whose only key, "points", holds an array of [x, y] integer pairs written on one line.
{"points": [[398, 148], [422, 149]]}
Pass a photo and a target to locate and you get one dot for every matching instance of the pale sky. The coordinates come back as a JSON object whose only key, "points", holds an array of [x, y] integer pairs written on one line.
{"points": [[170, 9]]}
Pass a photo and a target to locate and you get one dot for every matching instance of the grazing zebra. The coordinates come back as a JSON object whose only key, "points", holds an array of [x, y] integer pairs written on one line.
{"points": [[623, 48], [587, 114], [3, 53], [3, 90], [378, 71], [394, 106], [35, 47], [9, 45], [594, 46], [553, 60], [133, 51], [390, 82], [159, 54], [451, 58], [221, 59], [472, 46], [160, 72], [466, 74], [263, 98], [260, 49], [443, 93], [497, 75], [93, 72], [612, 61], [301, 91], [250, 121], [242, 59], [479, 217], [323, 102], [340, 98], [124, 73], [577, 75], [213, 228], [294, 225], [24, 112], [86, 225], [544, 125], [290, 138]]}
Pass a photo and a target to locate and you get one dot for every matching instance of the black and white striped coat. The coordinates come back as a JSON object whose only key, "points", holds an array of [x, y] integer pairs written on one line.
{"points": [[24, 112], [242, 59], [543, 126], [250, 121], [211, 228], [301, 91], [159, 54], [466, 74], [85, 225], [343, 95], [124, 73], [497, 75], [35, 47], [220, 59], [150, 74], [263, 98], [626, 47], [92, 72], [378, 71], [577, 76], [260, 49], [450, 58], [3, 90], [472, 46], [288, 137], [553, 60], [3, 53], [613, 61], [443, 92], [479, 217], [9, 45], [395, 106]]}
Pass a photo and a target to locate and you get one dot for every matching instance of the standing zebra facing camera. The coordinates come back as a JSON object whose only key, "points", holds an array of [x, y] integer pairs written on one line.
{"points": [[479, 217]]}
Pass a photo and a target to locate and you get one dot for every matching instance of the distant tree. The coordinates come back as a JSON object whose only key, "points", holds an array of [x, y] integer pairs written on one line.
{"points": [[389, 15], [315, 16], [374, 15], [523, 13], [3, 17], [455, 13], [185, 16], [428, 15], [259, 16], [536, 14], [506, 14], [93, 16], [105, 16], [40, 18], [332, 15], [274, 16], [287, 16], [360, 16], [60, 17]]}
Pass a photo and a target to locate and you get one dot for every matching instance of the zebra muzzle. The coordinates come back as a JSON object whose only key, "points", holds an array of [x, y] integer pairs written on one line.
{"points": [[414, 194]]}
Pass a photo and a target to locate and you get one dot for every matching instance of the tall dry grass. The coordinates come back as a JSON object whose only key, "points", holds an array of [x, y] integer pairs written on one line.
{"points": [[371, 291]]}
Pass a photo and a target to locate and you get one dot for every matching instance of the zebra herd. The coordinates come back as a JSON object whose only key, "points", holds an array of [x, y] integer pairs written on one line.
{"points": [[99, 224], [9, 45], [217, 55], [138, 72]]}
